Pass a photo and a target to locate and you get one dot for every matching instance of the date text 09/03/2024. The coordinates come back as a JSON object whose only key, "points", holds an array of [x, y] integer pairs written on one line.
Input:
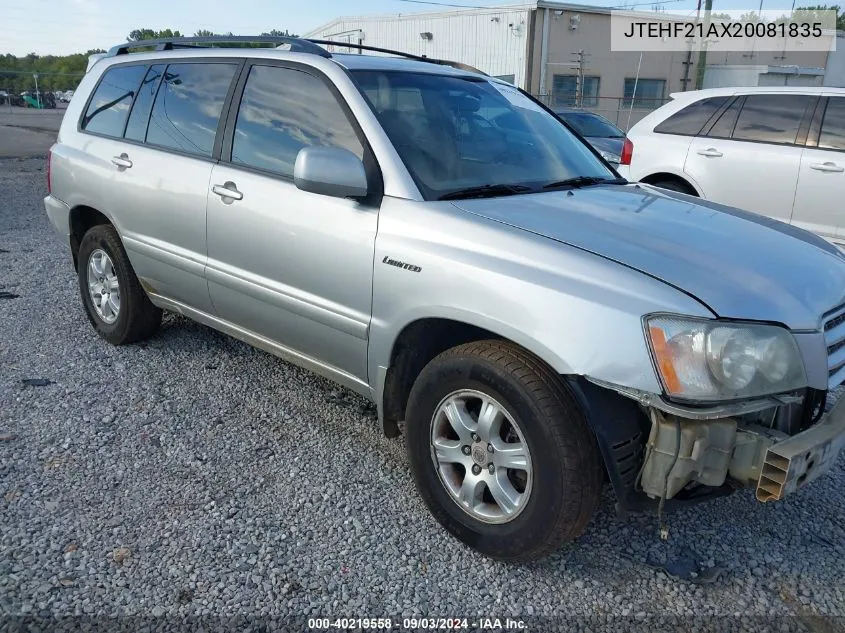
{"points": [[418, 624]]}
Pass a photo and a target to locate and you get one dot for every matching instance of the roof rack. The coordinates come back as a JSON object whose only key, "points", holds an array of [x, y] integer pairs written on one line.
{"points": [[297, 45], [419, 58]]}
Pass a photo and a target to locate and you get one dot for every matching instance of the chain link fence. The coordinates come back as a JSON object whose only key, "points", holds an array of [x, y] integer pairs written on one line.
{"points": [[623, 112]]}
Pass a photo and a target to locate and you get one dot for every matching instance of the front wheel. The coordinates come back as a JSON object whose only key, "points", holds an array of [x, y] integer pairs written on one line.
{"points": [[500, 451]]}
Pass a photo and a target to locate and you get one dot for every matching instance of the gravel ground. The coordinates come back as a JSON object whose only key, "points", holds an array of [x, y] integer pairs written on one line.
{"points": [[196, 476]]}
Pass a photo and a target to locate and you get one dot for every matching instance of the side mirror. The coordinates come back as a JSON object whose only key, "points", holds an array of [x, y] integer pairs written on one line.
{"points": [[330, 171]]}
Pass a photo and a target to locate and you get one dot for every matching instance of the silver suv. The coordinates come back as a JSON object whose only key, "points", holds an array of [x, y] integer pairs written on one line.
{"points": [[439, 241]]}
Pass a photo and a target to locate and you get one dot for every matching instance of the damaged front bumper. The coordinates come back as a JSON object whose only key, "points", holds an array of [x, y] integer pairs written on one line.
{"points": [[682, 451]]}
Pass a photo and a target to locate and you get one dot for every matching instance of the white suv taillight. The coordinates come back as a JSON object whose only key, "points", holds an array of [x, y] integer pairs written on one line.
{"points": [[627, 152], [49, 178]]}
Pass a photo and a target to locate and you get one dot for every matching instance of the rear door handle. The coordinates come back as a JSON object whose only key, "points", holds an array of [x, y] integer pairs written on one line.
{"points": [[228, 190], [826, 167], [121, 161], [710, 151]]}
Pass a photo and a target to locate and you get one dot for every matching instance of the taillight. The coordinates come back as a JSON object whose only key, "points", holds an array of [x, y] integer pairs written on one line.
{"points": [[49, 179], [627, 152]]}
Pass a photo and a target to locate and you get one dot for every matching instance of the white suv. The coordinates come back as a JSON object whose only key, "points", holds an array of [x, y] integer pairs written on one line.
{"points": [[779, 152]]}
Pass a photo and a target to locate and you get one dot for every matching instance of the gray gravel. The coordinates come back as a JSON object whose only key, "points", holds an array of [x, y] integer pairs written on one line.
{"points": [[194, 475]]}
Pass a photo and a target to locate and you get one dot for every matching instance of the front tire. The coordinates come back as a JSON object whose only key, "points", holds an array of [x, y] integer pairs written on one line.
{"points": [[114, 301], [500, 451]]}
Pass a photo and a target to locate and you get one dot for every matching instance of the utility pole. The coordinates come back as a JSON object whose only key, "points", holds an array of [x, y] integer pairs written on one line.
{"points": [[37, 94], [579, 57], [702, 54], [688, 62]]}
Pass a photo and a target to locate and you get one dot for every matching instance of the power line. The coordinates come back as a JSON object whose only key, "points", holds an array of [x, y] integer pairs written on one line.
{"points": [[647, 4], [5, 71], [448, 4]]}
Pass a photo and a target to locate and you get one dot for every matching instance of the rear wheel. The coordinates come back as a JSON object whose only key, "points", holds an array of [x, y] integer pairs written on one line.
{"points": [[114, 301], [500, 451]]}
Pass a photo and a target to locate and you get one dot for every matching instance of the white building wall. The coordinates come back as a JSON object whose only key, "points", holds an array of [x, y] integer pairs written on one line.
{"points": [[834, 75], [760, 75], [732, 76], [493, 40]]}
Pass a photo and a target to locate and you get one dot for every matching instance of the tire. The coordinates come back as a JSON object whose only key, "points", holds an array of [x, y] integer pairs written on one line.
{"points": [[674, 185], [134, 318], [561, 486]]}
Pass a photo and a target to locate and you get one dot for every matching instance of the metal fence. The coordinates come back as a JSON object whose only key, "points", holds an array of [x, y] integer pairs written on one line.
{"points": [[621, 111]]}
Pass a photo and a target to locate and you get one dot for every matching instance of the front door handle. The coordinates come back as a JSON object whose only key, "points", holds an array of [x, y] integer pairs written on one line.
{"points": [[228, 190], [711, 152], [826, 167], [121, 161]]}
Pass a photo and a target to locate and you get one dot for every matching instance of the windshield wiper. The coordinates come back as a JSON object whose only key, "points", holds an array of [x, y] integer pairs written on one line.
{"points": [[585, 181], [485, 191]]}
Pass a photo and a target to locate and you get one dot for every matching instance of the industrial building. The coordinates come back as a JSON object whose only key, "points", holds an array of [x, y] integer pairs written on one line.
{"points": [[561, 53]]}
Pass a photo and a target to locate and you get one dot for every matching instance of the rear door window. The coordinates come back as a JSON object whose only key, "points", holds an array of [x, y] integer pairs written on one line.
{"points": [[187, 107], [833, 125], [110, 103], [136, 129], [689, 121], [284, 110], [771, 118]]}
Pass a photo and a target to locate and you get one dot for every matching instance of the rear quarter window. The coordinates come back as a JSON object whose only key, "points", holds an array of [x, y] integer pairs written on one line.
{"points": [[833, 126], [109, 106], [690, 120], [136, 129]]}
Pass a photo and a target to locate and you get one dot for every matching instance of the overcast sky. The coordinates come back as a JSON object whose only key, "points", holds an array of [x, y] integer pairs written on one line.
{"points": [[69, 26]]}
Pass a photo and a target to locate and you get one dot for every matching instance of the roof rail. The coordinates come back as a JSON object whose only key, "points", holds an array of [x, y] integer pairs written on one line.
{"points": [[297, 45], [419, 58]]}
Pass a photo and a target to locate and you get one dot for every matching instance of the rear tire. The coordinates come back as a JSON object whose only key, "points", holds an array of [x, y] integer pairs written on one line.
{"points": [[116, 305], [553, 492]]}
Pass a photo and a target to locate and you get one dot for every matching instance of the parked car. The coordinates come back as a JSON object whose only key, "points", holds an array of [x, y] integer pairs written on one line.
{"points": [[32, 99], [539, 324], [67, 96], [774, 151], [599, 132]]}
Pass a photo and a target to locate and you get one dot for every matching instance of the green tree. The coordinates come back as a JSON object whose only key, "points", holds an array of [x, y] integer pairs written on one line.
{"points": [[149, 34], [811, 14], [55, 72]]}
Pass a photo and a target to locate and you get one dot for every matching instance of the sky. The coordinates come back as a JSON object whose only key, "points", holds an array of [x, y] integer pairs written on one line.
{"points": [[60, 27]]}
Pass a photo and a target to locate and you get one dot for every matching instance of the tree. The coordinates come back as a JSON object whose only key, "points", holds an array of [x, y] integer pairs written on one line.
{"points": [[54, 72], [278, 33], [751, 16], [149, 34], [812, 14]]}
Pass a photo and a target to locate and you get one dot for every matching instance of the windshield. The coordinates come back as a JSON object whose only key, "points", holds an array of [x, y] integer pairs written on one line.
{"points": [[467, 133], [592, 125]]}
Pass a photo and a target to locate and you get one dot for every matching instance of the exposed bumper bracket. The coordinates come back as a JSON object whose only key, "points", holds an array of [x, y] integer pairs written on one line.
{"points": [[798, 460]]}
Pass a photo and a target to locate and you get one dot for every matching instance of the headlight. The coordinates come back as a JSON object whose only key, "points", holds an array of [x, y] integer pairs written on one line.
{"points": [[699, 359], [610, 158]]}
